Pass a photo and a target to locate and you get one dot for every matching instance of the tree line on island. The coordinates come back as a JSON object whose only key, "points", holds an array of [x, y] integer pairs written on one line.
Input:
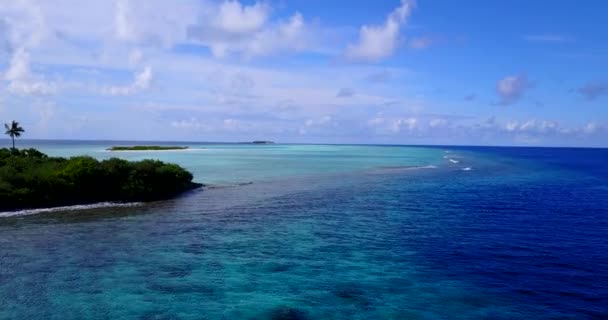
{"points": [[31, 179]]}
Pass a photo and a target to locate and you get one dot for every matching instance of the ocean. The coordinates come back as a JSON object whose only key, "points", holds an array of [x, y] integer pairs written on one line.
{"points": [[324, 232]]}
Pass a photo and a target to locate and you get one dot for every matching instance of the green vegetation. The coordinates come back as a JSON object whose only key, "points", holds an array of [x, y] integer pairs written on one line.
{"points": [[144, 148], [13, 130], [31, 179]]}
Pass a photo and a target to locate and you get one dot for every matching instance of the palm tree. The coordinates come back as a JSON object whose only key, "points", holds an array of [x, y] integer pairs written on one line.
{"points": [[14, 131]]}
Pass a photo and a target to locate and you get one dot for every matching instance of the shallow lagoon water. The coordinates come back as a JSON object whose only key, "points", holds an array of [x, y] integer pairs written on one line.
{"points": [[326, 232]]}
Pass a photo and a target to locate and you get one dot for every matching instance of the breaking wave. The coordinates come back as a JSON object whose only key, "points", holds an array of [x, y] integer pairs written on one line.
{"points": [[28, 212]]}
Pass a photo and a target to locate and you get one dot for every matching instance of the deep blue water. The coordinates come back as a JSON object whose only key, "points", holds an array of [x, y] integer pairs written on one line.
{"points": [[520, 235]]}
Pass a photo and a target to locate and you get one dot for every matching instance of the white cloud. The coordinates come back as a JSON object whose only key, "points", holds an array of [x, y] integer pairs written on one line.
{"points": [[285, 36], [317, 125], [24, 23], [318, 122], [141, 81], [122, 21], [393, 125], [233, 17], [65, 47], [22, 81], [591, 128], [378, 42], [19, 66], [233, 28], [541, 128], [188, 124], [438, 123], [151, 22], [23, 29], [511, 88]]}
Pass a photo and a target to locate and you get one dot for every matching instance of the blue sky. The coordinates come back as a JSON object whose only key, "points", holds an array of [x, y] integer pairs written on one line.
{"points": [[406, 72]]}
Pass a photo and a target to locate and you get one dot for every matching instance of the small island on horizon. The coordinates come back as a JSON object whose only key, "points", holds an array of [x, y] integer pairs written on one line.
{"points": [[146, 148]]}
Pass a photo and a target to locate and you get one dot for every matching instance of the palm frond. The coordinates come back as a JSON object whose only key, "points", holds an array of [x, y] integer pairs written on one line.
{"points": [[13, 130]]}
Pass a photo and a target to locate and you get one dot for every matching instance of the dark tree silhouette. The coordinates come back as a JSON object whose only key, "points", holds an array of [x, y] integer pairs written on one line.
{"points": [[14, 131]]}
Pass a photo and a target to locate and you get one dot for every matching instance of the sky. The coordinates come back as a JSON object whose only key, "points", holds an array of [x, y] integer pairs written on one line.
{"points": [[469, 72]]}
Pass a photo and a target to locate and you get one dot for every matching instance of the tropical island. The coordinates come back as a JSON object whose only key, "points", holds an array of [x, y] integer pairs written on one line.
{"points": [[145, 148], [31, 179]]}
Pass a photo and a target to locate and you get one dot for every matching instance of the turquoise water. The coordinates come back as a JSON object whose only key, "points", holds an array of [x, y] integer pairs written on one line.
{"points": [[243, 163], [326, 232]]}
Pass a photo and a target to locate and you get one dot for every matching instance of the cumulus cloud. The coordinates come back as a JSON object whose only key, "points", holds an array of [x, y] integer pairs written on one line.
{"points": [[377, 42], [24, 24], [22, 29], [393, 125], [593, 90], [21, 80], [511, 88], [232, 27], [223, 26], [52, 47], [151, 22], [141, 81], [235, 18]]}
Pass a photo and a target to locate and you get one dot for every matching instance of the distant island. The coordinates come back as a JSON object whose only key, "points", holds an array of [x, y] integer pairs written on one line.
{"points": [[31, 179], [262, 142], [145, 148]]}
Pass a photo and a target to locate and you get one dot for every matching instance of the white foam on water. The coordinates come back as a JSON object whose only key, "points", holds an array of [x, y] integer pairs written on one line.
{"points": [[453, 161], [28, 212], [467, 169], [401, 168], [154, 151]]}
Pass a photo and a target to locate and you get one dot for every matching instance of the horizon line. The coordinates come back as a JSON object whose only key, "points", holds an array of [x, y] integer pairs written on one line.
{"points": [[319, 143]]}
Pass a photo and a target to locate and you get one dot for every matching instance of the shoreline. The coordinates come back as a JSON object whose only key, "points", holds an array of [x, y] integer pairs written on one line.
{"points": [[75, 207], [91, 205], [166, 150], [146, 148]]}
